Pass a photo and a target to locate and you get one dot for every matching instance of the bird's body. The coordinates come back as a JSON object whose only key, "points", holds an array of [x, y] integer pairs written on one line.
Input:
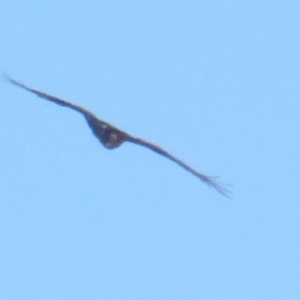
{"points": [[112, 137]]}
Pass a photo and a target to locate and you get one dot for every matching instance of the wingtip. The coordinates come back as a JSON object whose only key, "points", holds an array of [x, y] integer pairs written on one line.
{"points": [[9, 79], [221, 187], [6, 77]]}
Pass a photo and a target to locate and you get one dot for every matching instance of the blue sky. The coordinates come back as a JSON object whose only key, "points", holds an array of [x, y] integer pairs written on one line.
{"points": [[215, 83]]}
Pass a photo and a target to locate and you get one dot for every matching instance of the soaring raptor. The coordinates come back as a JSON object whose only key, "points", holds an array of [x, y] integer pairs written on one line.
{"points": [[112, 137]]}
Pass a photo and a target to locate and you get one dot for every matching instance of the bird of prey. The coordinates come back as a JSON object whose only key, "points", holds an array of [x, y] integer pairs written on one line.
{"points": [[112, 137]]}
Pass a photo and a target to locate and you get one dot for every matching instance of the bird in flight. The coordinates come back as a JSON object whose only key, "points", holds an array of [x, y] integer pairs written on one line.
{"points": [[112, 137]]}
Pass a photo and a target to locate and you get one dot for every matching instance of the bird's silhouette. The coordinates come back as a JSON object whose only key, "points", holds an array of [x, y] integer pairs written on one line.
{"points": [[112, 137]]}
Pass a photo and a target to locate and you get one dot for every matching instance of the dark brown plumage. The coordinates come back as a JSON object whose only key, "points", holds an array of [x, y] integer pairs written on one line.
{"points": [[112, 137]]}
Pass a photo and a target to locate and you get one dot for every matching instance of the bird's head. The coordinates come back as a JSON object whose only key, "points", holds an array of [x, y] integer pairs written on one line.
{"points": [[113, 139]]}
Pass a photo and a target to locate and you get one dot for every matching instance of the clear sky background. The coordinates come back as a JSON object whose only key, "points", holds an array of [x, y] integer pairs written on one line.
{"points": [[216, 83]]}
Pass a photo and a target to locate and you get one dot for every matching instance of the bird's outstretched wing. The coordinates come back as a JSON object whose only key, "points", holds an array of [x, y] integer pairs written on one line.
{"points": [[48, 97], [112, 137], [209, 180]]}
